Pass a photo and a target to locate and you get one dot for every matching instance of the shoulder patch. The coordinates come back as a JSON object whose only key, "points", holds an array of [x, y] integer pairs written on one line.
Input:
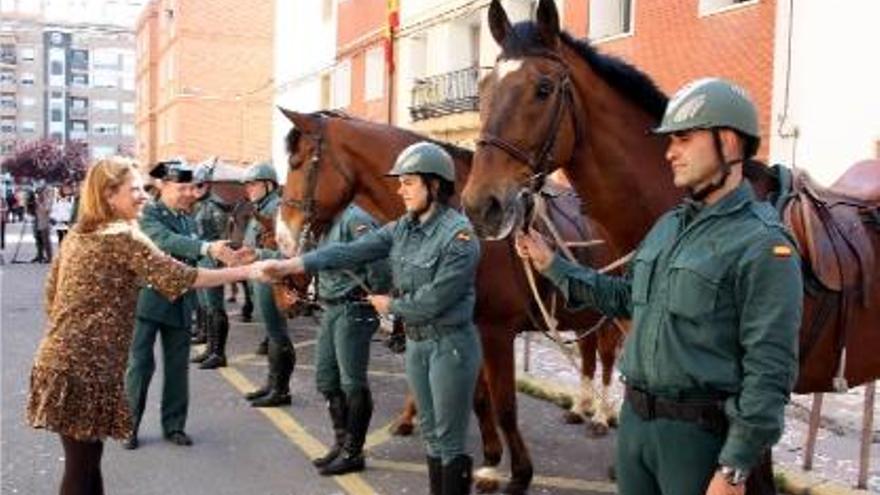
{"points": [[782, 251], [361, 228], [463, 235]]}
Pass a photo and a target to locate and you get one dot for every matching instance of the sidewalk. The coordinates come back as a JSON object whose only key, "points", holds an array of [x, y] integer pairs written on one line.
{"points": [[835, 464]]}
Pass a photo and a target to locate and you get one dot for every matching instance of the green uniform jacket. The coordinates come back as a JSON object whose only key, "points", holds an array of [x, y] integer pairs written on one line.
{"points": [[267, 207], [433, 266], [716, 304], [350, 225], [175, 234], [212, 218]]}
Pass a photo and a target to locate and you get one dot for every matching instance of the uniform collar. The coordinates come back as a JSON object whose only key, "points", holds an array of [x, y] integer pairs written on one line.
{"points": [[170, 210], [430, 224], [730, 202], [262, 202]]}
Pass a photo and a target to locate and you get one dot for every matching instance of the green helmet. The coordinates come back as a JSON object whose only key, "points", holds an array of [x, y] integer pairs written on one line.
{"points": [[424, 158], [261, 171], [708, 103], [202, 174]]}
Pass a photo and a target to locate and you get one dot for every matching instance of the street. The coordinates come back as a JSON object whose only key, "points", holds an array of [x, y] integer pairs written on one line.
{"points": [[239, 449]]}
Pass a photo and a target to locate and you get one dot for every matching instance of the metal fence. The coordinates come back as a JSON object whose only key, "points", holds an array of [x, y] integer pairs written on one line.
{"points": [[445, 94]]}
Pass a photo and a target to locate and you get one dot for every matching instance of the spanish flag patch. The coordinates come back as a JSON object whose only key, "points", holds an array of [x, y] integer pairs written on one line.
{"points": [[463, 235], [781, 251], [360, 228]]}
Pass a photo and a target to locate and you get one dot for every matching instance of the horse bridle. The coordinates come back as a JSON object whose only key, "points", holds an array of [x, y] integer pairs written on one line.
{"points": [[543, 162], [307, 205]]}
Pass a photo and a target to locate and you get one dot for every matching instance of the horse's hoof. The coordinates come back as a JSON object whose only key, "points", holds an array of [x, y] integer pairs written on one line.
{"points": [[597, 430], [514, 488], [571, 418], [402, 429], [485, 485]]}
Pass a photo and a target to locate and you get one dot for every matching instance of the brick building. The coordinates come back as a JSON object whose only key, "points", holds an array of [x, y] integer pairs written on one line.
{"points": [[204, 80]]}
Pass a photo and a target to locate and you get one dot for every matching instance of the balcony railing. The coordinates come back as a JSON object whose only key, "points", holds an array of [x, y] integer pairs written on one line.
{"points": [[444, 94]]}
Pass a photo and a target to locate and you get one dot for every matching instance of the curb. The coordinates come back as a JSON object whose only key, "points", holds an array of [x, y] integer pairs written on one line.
{"points": [[789, 481]]}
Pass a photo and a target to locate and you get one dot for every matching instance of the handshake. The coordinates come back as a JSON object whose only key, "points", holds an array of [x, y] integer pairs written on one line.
{"points": [[267, 271], [223, 252]]}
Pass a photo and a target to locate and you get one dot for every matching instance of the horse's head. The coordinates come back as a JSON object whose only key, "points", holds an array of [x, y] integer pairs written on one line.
{"points": [[316, 185], [529, 114]]}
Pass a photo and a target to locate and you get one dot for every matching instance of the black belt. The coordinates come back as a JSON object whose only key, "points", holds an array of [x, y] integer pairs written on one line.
{"points": [[357, 297], [706, 413]]}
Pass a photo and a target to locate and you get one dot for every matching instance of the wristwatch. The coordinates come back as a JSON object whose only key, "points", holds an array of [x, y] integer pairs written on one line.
{"points": [[733, 476]]}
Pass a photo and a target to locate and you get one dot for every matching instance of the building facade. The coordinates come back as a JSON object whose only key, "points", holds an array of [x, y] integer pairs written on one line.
{"points": [[66, 82], [204, 79]]}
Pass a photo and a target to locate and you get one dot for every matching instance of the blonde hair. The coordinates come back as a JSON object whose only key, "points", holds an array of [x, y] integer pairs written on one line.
{"points": [[103, 179]]}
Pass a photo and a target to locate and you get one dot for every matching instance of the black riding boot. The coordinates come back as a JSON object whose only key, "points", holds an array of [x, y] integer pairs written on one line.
{"points": [[207, 336], [200, 336], [351, 459], [282, 359], [262, 347], [219, 325], [435, 475], [338, 408], [247, 309], [457, 476], [263, 391]]}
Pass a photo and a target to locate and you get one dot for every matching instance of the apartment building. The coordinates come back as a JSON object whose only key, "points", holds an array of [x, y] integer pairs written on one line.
{"points": [[66, 82], [204, 80]]}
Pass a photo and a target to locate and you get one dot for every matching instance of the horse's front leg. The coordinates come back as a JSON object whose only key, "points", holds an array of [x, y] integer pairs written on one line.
{"points": [[492, 447], [584, 405], [498, 364]]}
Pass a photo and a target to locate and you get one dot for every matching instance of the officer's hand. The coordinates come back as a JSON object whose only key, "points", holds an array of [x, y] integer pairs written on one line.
{"points": [[532, 246], [381, 303], [720, 486], [219, 250], [243, 256]]}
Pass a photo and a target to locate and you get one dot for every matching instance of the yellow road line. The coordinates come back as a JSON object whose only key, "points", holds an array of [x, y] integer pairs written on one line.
{"points": [[353, 484], [379, 436]]}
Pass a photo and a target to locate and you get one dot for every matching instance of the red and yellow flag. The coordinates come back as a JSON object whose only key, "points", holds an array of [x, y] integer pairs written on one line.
{"points": [[393, 10]]}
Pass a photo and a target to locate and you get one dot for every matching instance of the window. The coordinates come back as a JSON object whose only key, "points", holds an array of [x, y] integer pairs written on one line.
{"points": [[28, 126], [56, 115], [7, 125], [342, 84], [56, 68], [105, 58], [127, 130], [7, 53], [712, 6], [7, 76], [610, 18], [79, 103], [128, 107], [27, 54], [106, 105], [105, 129], [104, 79], [79, 80], [7, 100], [375, 73], [28, 101], [7, 148], [27, 78], [79, 59], [79, 125]]}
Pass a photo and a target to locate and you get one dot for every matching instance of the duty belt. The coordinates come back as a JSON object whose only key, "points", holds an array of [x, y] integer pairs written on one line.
{"points": [[356, 296], [706, 413], [425, 332]]}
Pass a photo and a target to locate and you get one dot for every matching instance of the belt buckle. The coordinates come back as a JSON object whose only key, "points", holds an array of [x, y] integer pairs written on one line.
{"points": [[651, 405]]}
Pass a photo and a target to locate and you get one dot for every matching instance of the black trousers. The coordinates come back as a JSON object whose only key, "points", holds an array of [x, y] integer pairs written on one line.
{"points": [[82, 467]]}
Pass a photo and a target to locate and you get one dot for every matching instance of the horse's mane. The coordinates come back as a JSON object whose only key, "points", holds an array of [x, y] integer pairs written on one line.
{"points": [[293, 136], [635, 85]]}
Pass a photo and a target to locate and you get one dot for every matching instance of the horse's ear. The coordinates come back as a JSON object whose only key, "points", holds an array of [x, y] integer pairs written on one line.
{"points": [[302, 121], [548, 22], [499, 24]]}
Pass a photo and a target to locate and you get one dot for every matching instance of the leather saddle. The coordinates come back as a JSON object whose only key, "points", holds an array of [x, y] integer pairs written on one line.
{"points": [[831, 225]]}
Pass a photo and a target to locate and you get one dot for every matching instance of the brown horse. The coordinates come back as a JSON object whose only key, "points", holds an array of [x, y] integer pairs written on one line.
{"points": [[554, 102], [334, 161]]}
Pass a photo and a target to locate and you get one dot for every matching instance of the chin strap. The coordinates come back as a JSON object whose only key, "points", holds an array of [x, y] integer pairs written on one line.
{"points": [[700, 195]]}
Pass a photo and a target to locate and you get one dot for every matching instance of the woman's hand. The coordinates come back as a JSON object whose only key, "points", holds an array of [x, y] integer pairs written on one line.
{"points": [[532, 246], [260, 270]]}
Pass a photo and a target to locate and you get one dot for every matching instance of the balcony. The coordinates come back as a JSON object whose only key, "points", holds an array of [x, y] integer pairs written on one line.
{"points": [[444, 94], [8, 58]]}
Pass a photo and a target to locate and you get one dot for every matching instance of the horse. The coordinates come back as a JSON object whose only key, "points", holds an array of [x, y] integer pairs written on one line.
{"points": [[554, 102], [335, 160]]}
